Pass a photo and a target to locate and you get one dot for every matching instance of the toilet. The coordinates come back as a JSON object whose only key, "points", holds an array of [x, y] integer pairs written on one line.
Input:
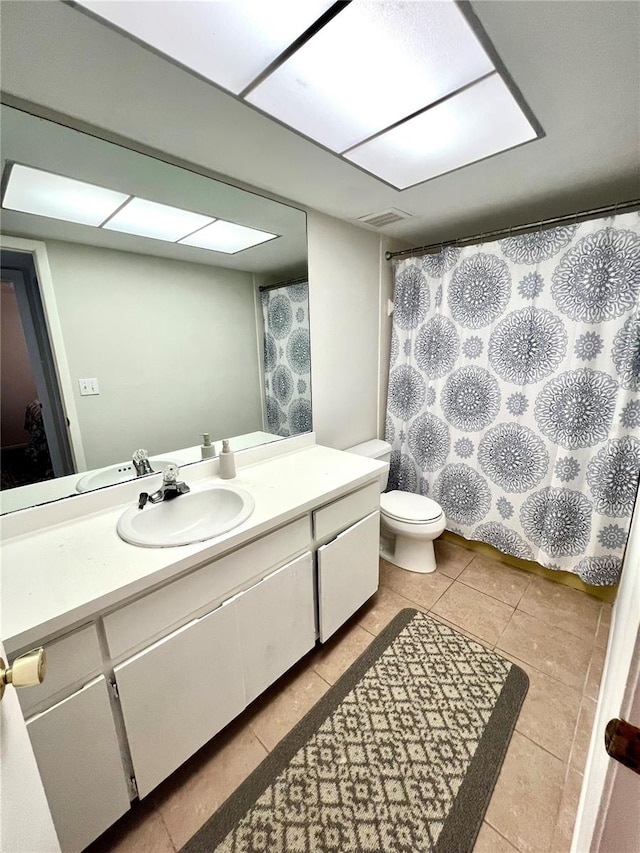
{"points": [[413, 520]]}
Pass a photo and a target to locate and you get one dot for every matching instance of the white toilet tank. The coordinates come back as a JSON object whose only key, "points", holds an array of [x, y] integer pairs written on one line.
{"points": [[375, 449]]}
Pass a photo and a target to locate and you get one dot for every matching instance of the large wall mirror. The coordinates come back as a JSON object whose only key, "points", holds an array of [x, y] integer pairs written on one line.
{"points": [[152, 341]]}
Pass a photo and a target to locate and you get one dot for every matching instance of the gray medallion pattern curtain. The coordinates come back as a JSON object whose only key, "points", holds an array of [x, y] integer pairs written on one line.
{"points": [[287, 359], [514, 391]]}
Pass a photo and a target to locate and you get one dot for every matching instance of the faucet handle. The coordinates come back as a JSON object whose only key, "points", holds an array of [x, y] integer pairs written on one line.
{"points": [[141, 462], [170, 473]]}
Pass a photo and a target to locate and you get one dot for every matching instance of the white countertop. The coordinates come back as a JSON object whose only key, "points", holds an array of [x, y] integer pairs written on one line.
{"points": [[60, 575]]}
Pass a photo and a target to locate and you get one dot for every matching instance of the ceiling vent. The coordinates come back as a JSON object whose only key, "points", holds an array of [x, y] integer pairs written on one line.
{"points": [[384, 217]]}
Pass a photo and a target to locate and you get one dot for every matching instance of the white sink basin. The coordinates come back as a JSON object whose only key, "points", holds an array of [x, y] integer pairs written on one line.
{"points": [[118, 474], [188, 518]]}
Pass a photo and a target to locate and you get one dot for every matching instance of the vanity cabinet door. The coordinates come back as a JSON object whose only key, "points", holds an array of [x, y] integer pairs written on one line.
{"points": [[348, 571], [78, 756], [276, 619], [179, 692]]}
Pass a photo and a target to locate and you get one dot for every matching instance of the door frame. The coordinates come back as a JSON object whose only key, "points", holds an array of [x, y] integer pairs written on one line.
{"points": [[38, 252]]}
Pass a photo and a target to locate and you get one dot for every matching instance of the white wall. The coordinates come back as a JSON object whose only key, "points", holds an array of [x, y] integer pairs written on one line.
{"points": [[172, 344], [344, 300]]}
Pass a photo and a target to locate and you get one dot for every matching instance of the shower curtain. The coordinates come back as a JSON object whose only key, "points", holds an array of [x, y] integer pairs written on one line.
{"points": [[287, 359], [514, 391]]}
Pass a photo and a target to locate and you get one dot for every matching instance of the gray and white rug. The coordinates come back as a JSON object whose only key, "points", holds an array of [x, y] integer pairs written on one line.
{"points": [[400, 755]]}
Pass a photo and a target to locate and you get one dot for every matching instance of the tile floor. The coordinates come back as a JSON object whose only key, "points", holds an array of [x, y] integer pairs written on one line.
{"points": [[558, 635]]}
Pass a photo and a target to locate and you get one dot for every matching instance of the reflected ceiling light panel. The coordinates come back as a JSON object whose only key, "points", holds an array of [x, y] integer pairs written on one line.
{"points": [[227, 237], [483, 120], [159, 221], [42, 193], [372, 65], [229, 43]]}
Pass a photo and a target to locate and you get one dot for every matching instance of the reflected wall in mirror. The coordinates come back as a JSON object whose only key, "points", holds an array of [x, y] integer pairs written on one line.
{"points": [[152, 342]]}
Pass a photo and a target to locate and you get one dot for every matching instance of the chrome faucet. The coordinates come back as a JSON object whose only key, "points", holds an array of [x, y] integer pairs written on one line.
{"points": [[171, 487], [141, 463]]}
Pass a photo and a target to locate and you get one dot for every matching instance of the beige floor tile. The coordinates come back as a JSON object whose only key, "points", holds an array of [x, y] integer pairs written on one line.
{"points": [[570, 609], [424, 590], [495, 579], [550, 650], [594, 676], [602, 634], [567, 815], [474, 611], [193, 793], [550, 712], [489, 841], [381, 608], [140, 830], [525, 802], [332, 659], [271, 717], [451, 558], [582, 738]]}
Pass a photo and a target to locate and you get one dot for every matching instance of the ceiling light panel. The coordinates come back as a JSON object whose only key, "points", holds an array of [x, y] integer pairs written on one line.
{"points": [[159, 221], [45, 194], [372, 65], [227, 237], [474, 124], [230, 42]]}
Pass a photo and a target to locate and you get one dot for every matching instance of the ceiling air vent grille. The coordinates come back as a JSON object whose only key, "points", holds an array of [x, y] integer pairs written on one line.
{"points": [[384, 217]]}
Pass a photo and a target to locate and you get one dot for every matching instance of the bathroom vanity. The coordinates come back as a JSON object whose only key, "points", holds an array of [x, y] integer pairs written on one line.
{"points": [[152, 651]]}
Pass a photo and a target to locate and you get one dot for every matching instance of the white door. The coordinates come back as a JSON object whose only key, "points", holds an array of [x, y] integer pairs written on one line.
{"points": [[27, 826], [606, 784]]}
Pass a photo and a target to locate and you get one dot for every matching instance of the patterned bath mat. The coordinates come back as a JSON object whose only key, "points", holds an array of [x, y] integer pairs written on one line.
{"points": [[400, 755]]}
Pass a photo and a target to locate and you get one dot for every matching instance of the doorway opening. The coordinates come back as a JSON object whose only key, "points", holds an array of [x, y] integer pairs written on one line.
{"points": [[34, 438]]}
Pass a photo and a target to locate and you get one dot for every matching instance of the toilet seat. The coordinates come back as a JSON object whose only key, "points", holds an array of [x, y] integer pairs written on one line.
{"points": [[409, 508]]}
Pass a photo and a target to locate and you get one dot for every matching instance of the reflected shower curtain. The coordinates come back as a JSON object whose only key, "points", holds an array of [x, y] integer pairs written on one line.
{"points": [[287, 359], [514, 391]]}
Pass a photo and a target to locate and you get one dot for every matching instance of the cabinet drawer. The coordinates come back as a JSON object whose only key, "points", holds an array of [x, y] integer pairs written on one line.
{"points": [[340, 514], [70, 660], [160, 612]]}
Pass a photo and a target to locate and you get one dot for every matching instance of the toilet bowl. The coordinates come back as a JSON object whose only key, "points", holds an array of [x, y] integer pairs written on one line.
{"points": [[415, 521], [412, 521]]}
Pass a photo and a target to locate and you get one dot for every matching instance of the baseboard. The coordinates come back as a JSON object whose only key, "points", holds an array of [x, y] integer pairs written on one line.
{"points": [[603, 593]]}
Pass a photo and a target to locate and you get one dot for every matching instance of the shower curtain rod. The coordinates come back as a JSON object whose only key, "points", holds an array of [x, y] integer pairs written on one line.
{"points": [[288, 283], [504, 232]]}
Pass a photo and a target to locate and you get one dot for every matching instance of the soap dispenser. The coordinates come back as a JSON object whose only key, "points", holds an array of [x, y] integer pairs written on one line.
{"points": [[227, 461], [207, 450]]}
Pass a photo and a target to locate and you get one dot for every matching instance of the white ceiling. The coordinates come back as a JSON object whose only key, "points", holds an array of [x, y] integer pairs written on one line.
{"points": [[577, 63]]}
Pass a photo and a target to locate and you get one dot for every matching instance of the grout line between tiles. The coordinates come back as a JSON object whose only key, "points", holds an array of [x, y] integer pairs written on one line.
{"points": [[166, 828], [497, 831]]}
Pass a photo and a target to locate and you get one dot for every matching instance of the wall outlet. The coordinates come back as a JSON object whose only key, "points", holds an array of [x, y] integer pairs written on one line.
{"points": [[88, 387]]}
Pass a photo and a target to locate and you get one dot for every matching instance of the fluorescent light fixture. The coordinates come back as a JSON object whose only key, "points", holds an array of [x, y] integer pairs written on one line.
{"points": [[42, 193], [474, 124], [159, 221], [227, 237], [372, 65], [229, 43]]}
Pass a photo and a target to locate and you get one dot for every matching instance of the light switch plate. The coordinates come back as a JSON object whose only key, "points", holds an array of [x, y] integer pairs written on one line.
{"points": [[88, 387]]}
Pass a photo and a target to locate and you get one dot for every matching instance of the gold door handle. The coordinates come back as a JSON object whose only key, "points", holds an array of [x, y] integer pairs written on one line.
{"points": [[27, 670]]}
